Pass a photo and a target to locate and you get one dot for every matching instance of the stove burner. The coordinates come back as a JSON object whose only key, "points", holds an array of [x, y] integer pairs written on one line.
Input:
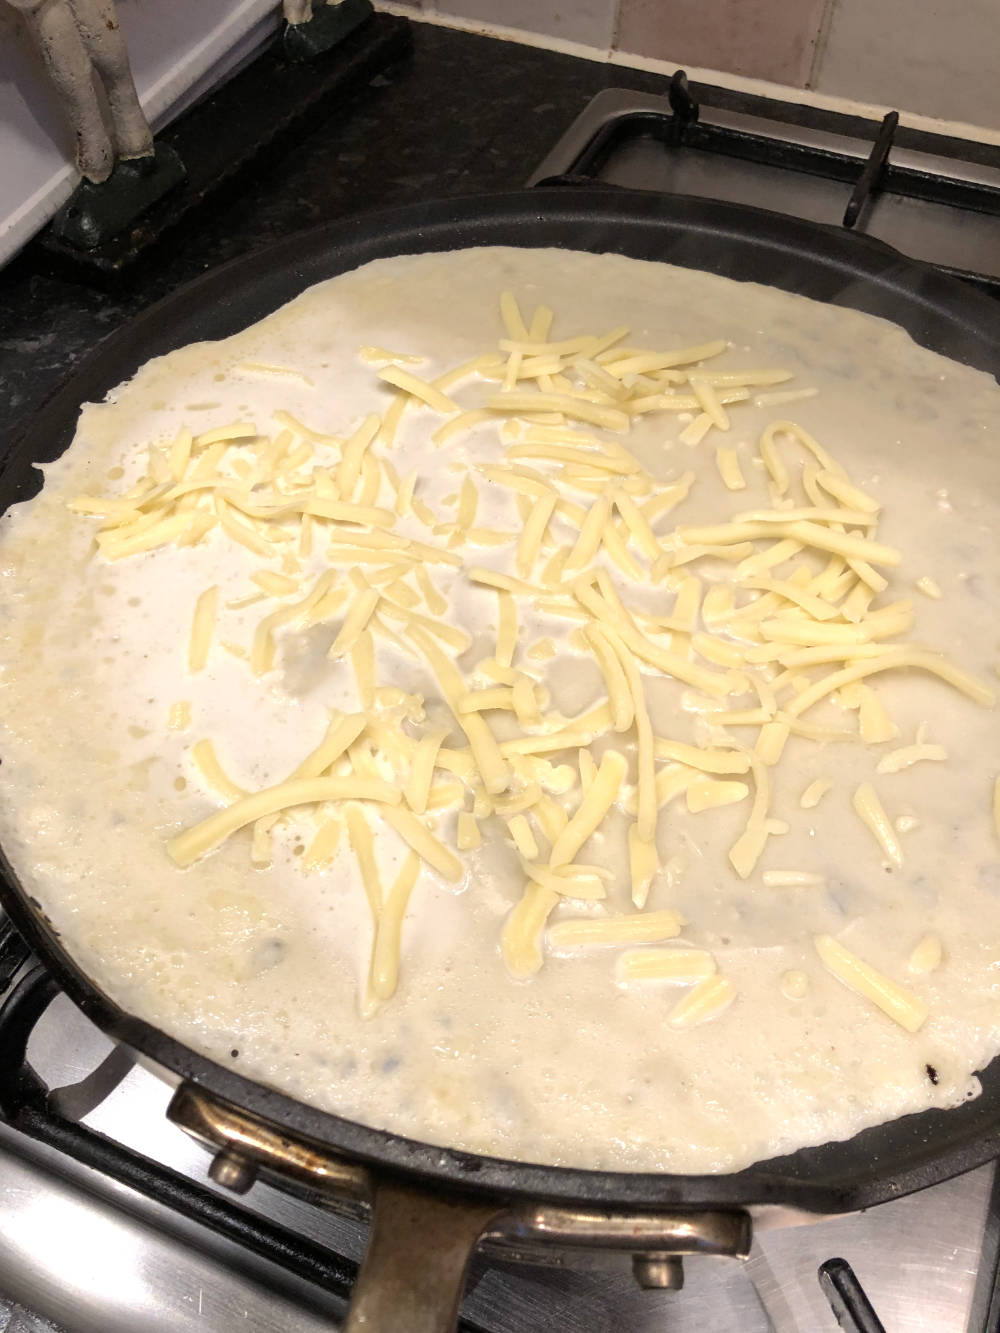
{"points": [[931, 197]]}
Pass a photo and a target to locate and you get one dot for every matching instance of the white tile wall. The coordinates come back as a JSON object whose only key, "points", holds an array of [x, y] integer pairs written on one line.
{"points": [[916, 55], [590, 22], [925, 56]]}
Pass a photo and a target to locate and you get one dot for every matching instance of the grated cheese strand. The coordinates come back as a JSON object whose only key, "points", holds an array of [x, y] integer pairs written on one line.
{"points": [[355, 622], [362, 842], [342, 732], [418, 388], [899, 1004], [418, 784], [615, 680], [684, 966], [643, 864], [872, 814], [424, 843], [204, 756], [194, 842], [703, 1002], [814, 793], [521, 938], [728, 463], [202, 624], [592, 809], [384, 971], [323, 845], [640, 928], [926, 955]]}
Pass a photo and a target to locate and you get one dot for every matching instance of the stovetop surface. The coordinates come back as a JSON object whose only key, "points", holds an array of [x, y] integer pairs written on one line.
{"points": [[466, 115], [98, 1258]]}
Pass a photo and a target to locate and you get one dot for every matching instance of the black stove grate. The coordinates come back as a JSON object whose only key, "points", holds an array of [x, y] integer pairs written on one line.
{"points": [[874, 162]]}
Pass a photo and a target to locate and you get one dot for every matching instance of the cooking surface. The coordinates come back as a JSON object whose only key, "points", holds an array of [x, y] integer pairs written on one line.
{"points": [[454, 121]]}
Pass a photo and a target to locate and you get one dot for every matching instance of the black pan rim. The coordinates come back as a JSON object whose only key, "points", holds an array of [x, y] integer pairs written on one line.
{"points": [[922, 1148]]}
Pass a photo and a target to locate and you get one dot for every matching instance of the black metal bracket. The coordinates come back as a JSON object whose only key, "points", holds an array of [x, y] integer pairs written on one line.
{"points": [[14, 953], [95, 214], [224, 139], [853, 1310], [28, 999], [682, 104], [327, 28], [873, 171]]}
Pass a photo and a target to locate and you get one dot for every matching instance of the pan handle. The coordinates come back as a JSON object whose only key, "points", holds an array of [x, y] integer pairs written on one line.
{"points": [[413, 1274]]}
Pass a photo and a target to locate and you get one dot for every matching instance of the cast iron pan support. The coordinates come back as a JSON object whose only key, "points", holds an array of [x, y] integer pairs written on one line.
{"points": [[422, 1239]]}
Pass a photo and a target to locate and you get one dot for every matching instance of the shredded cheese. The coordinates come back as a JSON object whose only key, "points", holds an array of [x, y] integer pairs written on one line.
{"points": [[896, 760], [521, 939], [384, 972], [815, 792], [417, 388], [188, 846], [899, 1004], [872, 814], [728, 463], [201, 629], [418, 784], [706, 793], [705, 1001], [926, 956], [684, 966], [423, 842], [592, 809]]}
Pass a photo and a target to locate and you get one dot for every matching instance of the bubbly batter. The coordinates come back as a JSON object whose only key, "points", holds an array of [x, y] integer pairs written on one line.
{"points": [[264, 963]]}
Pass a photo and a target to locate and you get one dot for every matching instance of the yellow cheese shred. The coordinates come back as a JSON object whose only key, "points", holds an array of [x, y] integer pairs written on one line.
{"points": [[903, 1007], [926, 955], [468, 836], [323, 845], [363, 846], [521, 938], [592, 809], [417, 388], [355, 622], [872, 814], [384, 971], [728, 463], [524, 838], [201, 629], [194, 842], [418, 784], [705, 1001], [639, 928], [179, 717], [615, 680], [643, 864], [207, 762], [814, 793], [706, 793], [684, 966], [533, 532]]}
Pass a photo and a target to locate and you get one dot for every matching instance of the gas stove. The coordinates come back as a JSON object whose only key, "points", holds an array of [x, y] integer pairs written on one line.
{"points": [[110, 1218], [110, 1222]]}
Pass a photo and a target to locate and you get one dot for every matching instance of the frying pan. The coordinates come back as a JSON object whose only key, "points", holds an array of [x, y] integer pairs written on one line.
{"points": [[432, 1204]]}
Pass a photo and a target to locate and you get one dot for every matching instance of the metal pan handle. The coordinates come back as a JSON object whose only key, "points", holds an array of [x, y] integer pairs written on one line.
{"points": [[423, 1237], [413, 1274]]}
